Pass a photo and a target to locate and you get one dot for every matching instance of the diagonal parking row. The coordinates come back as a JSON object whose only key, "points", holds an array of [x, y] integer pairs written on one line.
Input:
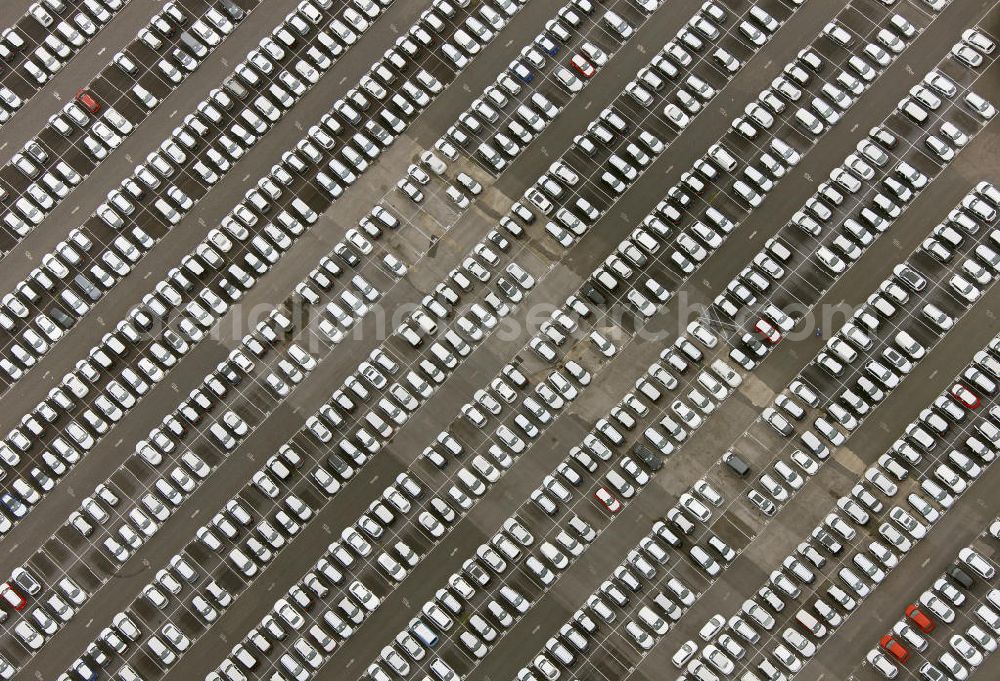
{"points": [[314, 419], [962, 606], [897, 171], [506, 127], [180, 294], [133, 534], [118, 549], [875, 331], [784, 250], [43, 41], [648, 621], [464, 489], [384, 359], [79, 138], [789, 471], [850, 578], [835, 197], [183, 480], [685, 74], [711, 172], [522, 101], [96, 256]]}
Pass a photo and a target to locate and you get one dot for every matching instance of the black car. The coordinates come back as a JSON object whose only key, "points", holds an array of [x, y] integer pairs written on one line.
{"points": [[593, 295], [960, 576], [62, 319], [647, 456], [736, 464]]}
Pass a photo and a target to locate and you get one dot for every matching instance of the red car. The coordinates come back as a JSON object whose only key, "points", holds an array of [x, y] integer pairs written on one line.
{"points": [[923, 622], [87, 101], [582, 66], [964, 396], [893, 647], [767, 331], [14, 599], [608, 500]]}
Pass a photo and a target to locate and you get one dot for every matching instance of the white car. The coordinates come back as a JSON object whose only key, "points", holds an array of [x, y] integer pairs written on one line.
{"points": [[676, 116]]}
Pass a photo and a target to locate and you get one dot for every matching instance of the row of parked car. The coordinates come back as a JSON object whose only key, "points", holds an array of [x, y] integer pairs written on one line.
{"points": [[105, 133], [938, 605], [161, 167], [756, 30], [161, 442], [898, 185], [675, 56], [646, 241], [68, 27], [654, 227], [427, 520], [856, 234], [370, 527], [372, 375], [897, 532], [509, 438], [515, 540], [269, 188], [878, 377], [953, 406], [451, 613], [202, 307], [793, 636], [326, 595], [643, 622], [100, 135], [277, 470], [167, 493], [397, 401], [50, 179], [485, 115], [41, 619]]}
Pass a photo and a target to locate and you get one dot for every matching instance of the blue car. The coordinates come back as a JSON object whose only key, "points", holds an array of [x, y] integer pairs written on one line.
{"points": [[547, 45], [521, 71]]}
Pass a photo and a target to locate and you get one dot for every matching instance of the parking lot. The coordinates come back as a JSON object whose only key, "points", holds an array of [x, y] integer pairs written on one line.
{"points": [[428, 293]]}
